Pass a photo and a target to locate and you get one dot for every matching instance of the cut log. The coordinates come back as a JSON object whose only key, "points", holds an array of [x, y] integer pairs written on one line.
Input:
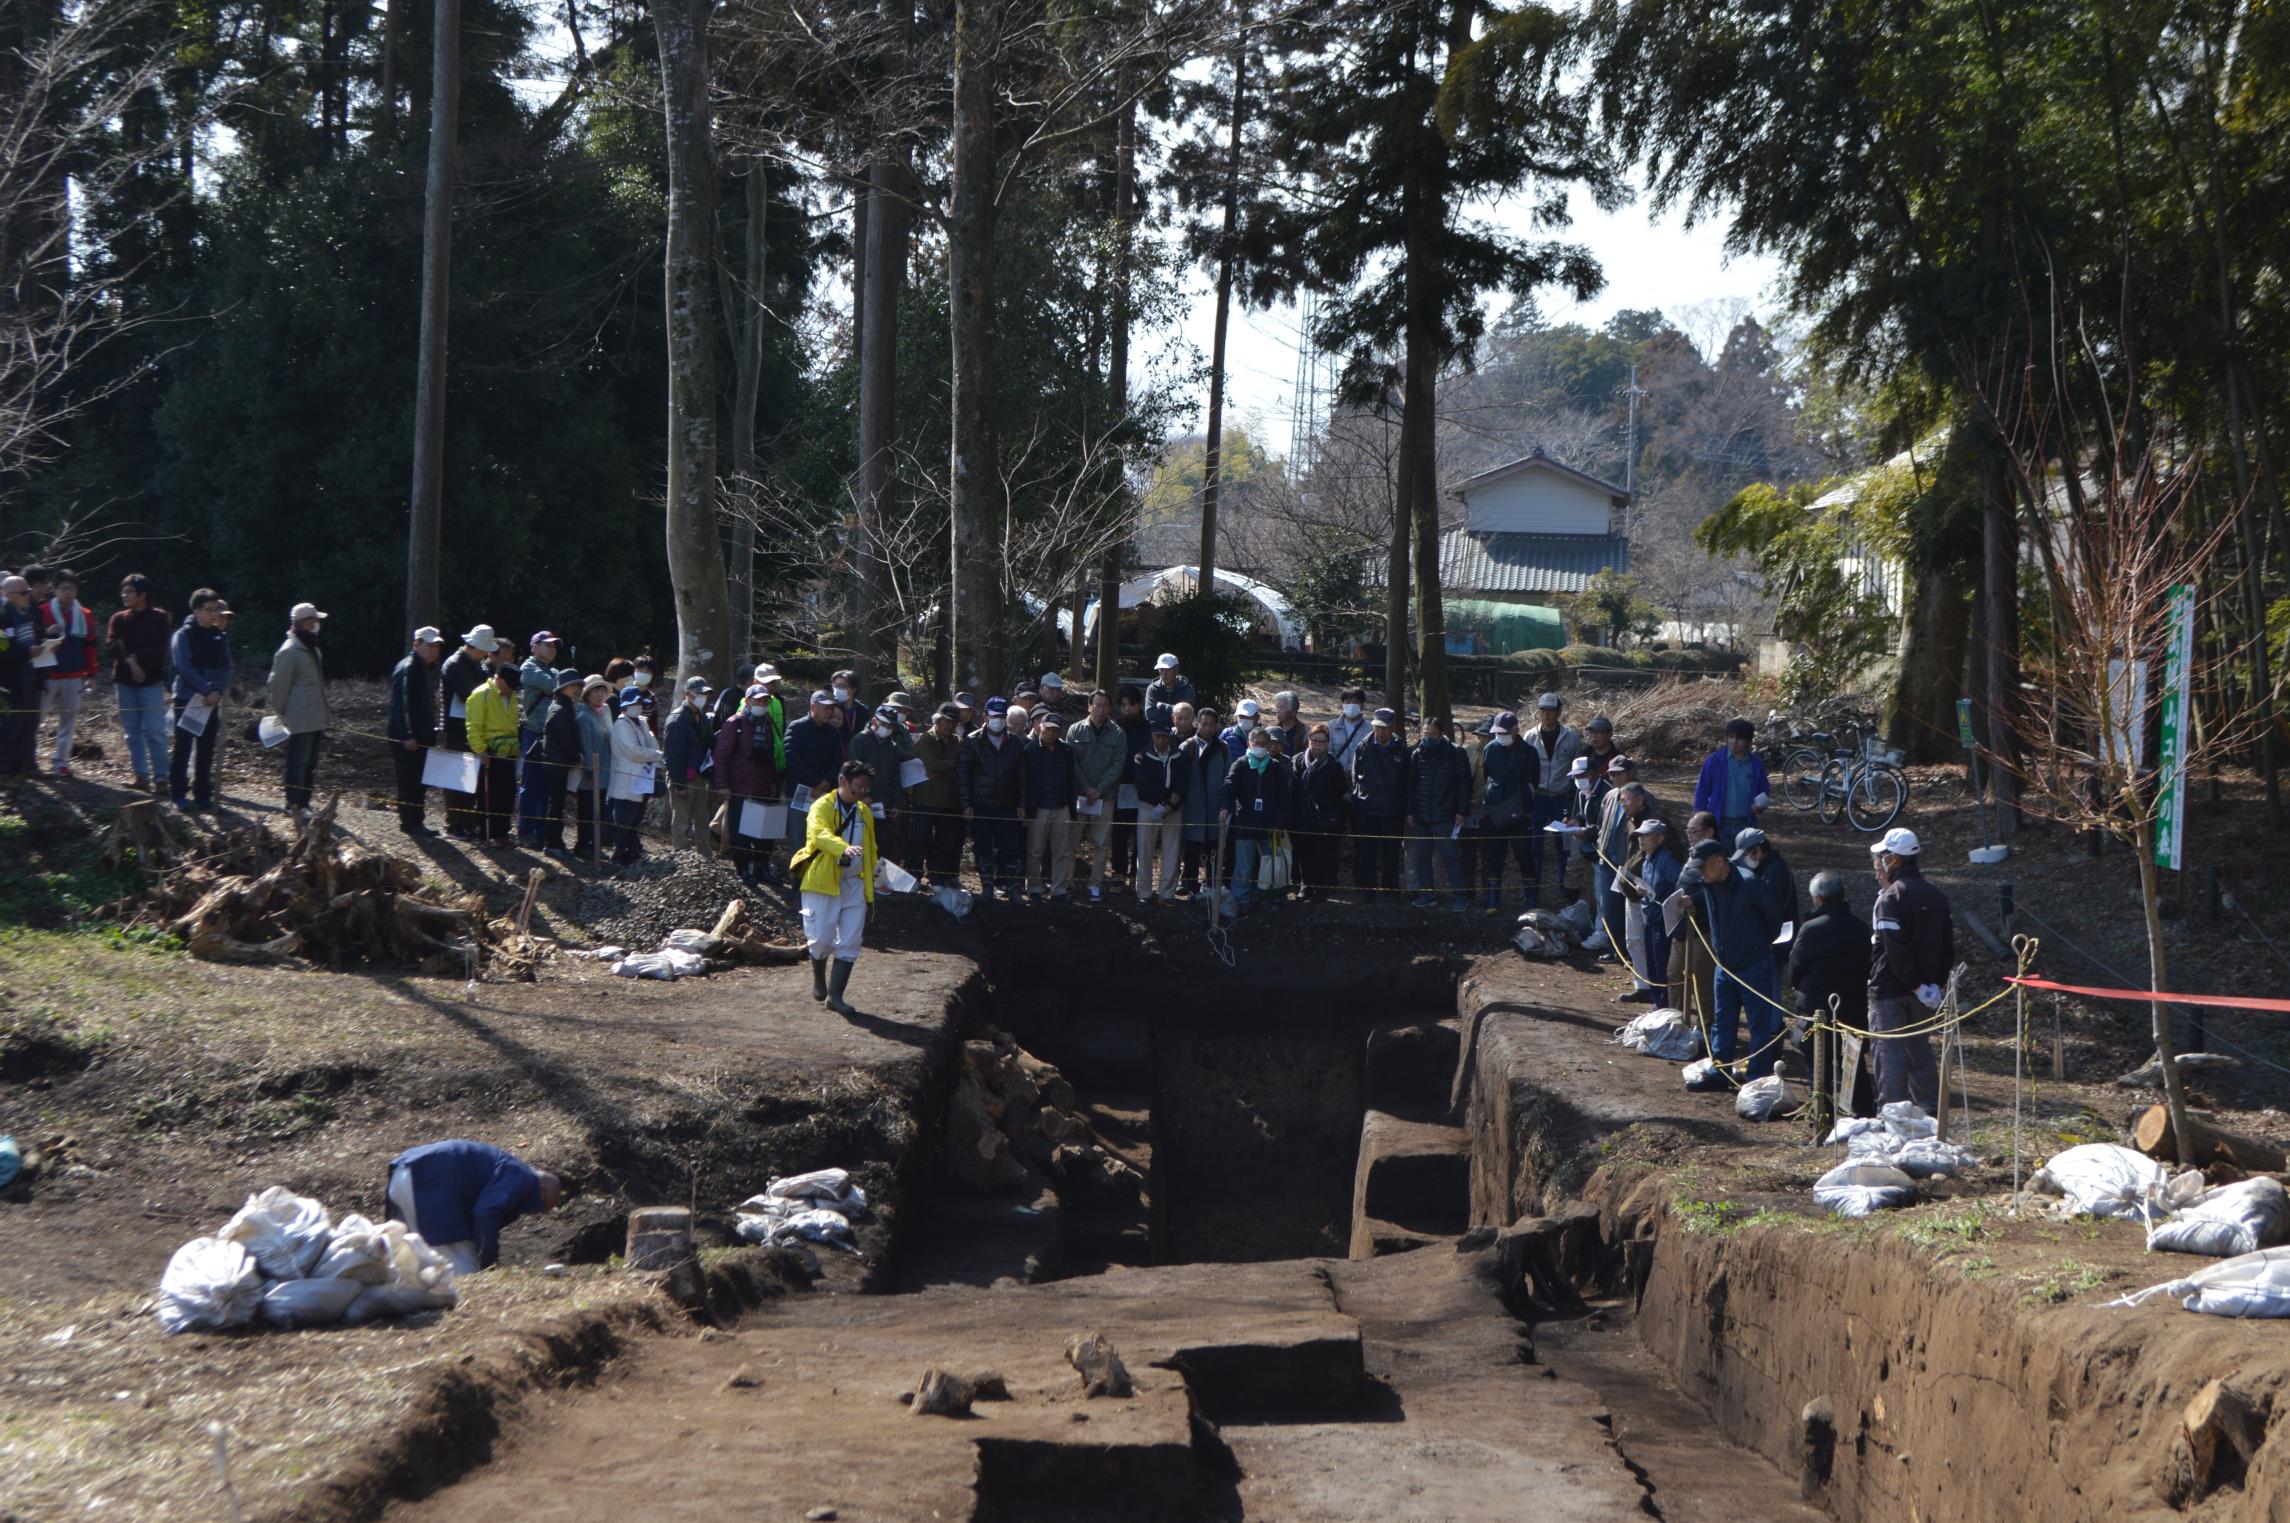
{"points": [[2152, 1134], [727, 924], [216, 946], [138, 829], [2223, 1430], [1102, 1372]]}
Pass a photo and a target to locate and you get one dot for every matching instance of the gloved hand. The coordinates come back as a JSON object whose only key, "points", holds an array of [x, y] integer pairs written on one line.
{"points": [[1929, 995]]}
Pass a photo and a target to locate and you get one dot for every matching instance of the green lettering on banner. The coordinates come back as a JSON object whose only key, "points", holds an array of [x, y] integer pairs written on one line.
{"points": [[1964, 722], [2178, 661]]}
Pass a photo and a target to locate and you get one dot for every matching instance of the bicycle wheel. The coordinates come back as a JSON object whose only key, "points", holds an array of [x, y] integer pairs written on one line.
{"points": [[1801, 777], [1834, 785], [1876, 798]]}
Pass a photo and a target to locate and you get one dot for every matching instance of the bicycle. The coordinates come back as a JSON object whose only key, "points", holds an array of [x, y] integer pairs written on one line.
{"points": [[1801, 767], [1869, 788]]}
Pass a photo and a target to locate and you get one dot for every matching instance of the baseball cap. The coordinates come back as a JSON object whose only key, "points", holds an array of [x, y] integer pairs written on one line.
{"points": [[758, 693], [1548, 701], [303, 611], [1751, 836], [541, 635], [821, 695], [482, 638], [1702, 851], [1652, 828], [1158, 727], [1506, 723], [428, 634], [1899, 841], [947, 711], [766, 672], [966, 700], [1052, 679], [691, 684], [1249, 708], [1165, 662], [1602, 723], [997, 705], [1384, 717], [888, 715], [1050, 721], [1620, 763]]}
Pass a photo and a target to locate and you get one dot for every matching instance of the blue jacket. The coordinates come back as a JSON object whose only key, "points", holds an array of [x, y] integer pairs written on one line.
{"points": [[596, 748], [1659, 873], [1379, 777], [1261, 802], [814, 754], [688, 745], [1510, 769], [1740, 918], [202, 659], [1709, 788], [1045, 777], [466, 1192], [1436, 778], [1235, 738], [1161, 776]]}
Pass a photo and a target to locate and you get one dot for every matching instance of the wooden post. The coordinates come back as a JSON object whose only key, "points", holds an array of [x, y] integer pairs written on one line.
{"points": [[2058, 1046], [1947, 1063], [1824, 1042]]}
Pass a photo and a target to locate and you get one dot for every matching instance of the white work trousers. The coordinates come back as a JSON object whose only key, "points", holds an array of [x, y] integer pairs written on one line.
{"points": [[462, 1255], [62, 696], [1158, 840], [833, 923]]}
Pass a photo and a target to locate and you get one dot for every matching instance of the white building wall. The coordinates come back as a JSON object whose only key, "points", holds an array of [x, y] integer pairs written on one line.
{"points": [[1538, 502]]}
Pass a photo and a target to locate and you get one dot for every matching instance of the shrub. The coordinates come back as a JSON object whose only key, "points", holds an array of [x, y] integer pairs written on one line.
{"points": [[1593, 655], [1209, 633]]}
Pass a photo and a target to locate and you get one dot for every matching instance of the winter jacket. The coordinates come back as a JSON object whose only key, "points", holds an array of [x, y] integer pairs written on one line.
{"points": [[1136, 740], [1162, 777], [536, 689], [413, 701], [561, 747], [202, 660], [595, 750], [1235, 739], [1290, 738], [459, 677], [1100, 754], [75, 627], [1346, 736], [775, 713], [1046, 777], [818, 862], [466, 1192], [298, 686], [1206, 766], [1379, 778], [1168, 694], [19, 632], [1779, 883], [744, 765], [986, 773], [814, 755], [1737, 917], [941, 760], [1509, 771], [687, 746], [1831, 956], [1659, 873], [1555, 756], [1261, 800], [633, 750], [141, 633], [1912, 938], [1709, 788], [1435, 782], [1320, 790], [886, 754], [493, 721]]}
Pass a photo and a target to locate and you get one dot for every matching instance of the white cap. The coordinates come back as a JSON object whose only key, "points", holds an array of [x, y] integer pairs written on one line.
{"points": [[1248, 708], [482, 638], [1579, 767], [766, 672], [1899, 842], [427, 635], [1165, 662], [302, 611], [1651, 828]]}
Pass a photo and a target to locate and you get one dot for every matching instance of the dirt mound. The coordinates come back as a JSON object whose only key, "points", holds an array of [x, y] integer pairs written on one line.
{"points": [[669, 891]]}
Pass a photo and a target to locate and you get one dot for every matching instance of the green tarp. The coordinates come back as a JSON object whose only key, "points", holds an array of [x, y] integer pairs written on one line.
{"points": [[1480, 627]]}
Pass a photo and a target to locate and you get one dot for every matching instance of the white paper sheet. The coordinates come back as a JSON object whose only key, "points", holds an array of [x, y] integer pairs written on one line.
{"points": [[1083, 809], [800, 800], [271, 732], [642, 780], [1673, 912], [1788, 930], [193, 717], [762, 822], [913, 773], [44, 656], [1127, 797], [453, 771], [457, 710]]}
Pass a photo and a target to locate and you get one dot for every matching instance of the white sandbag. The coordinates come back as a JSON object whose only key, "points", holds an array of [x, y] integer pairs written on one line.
{"points": [[2227, 1222], [955, 901], [811, 1186], [686, 941], [359, 1252], [1850, 1127], [308, 1303], [829, 1227], [1667, 1034], [2250, 1285], [209, 1283], [669, 963], [1763, 1099], [1698, 1071], [1908, 1119], [2105, 1179], [1924, 1157], [284, 1231], [420, 1280], [1861, 1189]]}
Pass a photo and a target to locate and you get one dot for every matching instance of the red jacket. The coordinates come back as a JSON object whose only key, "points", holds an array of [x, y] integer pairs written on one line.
{"points": [[743, 769]]}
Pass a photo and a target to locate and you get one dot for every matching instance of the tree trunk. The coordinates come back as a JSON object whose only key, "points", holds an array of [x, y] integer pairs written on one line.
{"points": [[425, 530], [695, 548], [389, 68], [1228, 245], [747, 359], [1418, 445], [2000, 634], [1395, 591], [1117, 384], [888, 189], [2159, 1014], [1922, 715], [974, 613]]}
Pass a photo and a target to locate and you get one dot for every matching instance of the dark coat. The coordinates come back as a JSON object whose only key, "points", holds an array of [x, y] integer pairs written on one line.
{"points": [[814, 754], [1738, 917], [687, 744], [1261, 802], [1831, 956], [1045, 777], [413, 701], [1436, 781], [1379, 778], [1914, 941], [1321, 788], [1161, 777], [456, 680], [987, 776], [560, 736]]}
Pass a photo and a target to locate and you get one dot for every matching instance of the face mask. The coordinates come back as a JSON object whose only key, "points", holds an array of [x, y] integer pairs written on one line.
{"points": [[1258, 753], [1351, 711], [994, 722], [1501, 740], [842, 695], [883, 730], [643, 677]]}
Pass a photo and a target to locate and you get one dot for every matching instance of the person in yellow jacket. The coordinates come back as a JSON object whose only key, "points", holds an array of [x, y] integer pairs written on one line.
{"points": [[493, 735], [835, 868]]}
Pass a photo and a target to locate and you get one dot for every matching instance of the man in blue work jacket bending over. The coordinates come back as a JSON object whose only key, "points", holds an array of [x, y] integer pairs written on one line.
{"points": [[459, 1195]]}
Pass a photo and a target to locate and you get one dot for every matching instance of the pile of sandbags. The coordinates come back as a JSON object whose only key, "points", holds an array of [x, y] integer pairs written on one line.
{"points": [[1549, 934], [735, 942], [282, 1258], [2108, 1179], [817, 1207], [2248, 1285], [1014, 1123], [1667, 1034], [1904, 1137]]}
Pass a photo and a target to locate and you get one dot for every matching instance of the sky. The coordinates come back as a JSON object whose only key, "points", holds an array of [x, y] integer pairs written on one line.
{"points": [[1649, 261]]}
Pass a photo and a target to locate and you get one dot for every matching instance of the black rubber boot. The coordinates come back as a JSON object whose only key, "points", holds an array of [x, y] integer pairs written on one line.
{"points": [[838, 980], [819, 978]]}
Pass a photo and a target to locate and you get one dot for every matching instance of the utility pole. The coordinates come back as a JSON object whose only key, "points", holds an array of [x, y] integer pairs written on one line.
{"points": [[1630, 452]]}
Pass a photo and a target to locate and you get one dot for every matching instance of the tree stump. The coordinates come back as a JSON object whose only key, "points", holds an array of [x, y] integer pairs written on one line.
{"points": [[2152, 1134]]}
